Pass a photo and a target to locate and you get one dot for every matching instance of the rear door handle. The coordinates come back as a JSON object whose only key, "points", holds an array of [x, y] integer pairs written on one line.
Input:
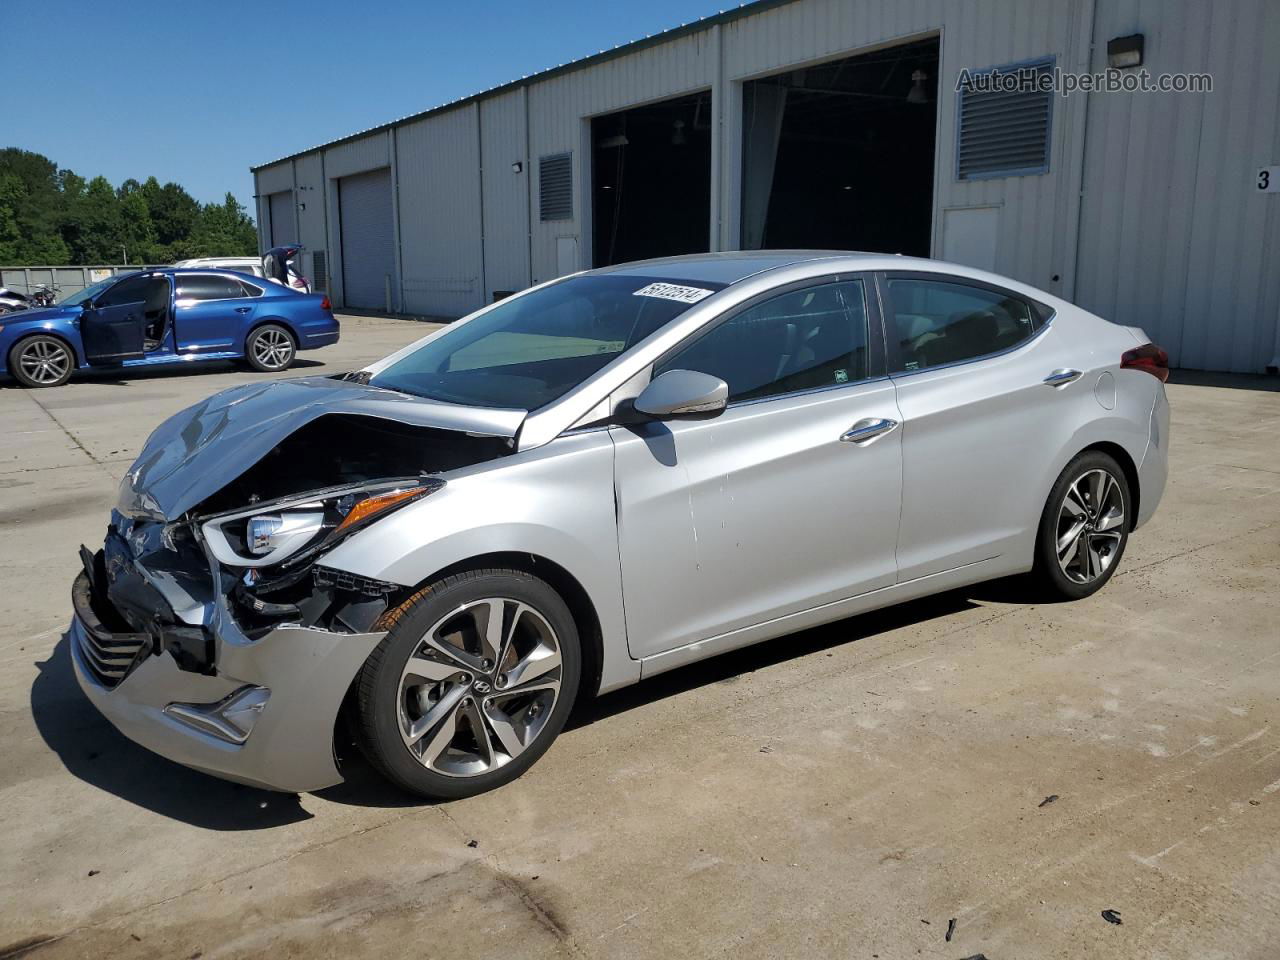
{"points": [[243, 309], [866, 430], [1061, 377]]}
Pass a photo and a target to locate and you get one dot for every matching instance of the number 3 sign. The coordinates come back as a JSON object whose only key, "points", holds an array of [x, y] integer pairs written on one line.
{"points": [[1268, 180]]}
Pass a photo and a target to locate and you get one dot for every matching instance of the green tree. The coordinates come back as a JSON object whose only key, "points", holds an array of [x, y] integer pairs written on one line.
{"points": [[34, 204], [224, 230], [52, 216], [138, 233]]}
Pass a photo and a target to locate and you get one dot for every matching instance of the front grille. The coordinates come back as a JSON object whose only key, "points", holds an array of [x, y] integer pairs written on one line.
{"points": [[110, 660], [108, 655]]}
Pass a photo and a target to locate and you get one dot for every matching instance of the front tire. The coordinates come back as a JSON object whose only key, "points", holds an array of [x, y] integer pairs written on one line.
{"points": [[41, 361], [472, 683], [270, 349], [1084, 528]]}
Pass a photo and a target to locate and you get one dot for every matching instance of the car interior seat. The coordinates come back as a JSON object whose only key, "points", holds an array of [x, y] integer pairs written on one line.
{"points": [[967, 334], [155, 311]]}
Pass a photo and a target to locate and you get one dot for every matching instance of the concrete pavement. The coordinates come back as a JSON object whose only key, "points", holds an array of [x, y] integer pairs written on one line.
{"points": [[841, 792]]}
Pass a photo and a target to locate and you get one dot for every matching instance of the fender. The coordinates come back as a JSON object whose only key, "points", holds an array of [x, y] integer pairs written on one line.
{"points": [[554, 502]]}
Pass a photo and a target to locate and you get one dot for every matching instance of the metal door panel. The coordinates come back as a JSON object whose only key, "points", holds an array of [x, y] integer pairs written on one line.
{"points": [[975, 439], [211, 324], [113, 334], [757, 514]]}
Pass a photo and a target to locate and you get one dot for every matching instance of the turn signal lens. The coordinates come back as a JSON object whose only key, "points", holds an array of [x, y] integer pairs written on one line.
{"points": [[1149, 359], [371, 506]]}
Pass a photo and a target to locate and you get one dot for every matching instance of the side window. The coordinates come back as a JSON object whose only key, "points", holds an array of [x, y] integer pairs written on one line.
{"points": [[938, 321], [133, 290], [207, 286], [250, 290], [816, 337]]}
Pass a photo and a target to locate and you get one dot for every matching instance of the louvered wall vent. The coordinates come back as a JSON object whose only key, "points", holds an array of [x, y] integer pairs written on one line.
{"points": [[1003, 132], [555, 187], [319, 271]]}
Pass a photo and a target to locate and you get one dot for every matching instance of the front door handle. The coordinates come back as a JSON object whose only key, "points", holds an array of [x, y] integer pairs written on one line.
{"points": [[866, 430], [1062, 376]]}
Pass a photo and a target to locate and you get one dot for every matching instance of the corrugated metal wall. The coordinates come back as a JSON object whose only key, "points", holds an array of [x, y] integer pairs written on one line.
{"points": [[1174, 236], [507, 214], [438, 168], [1146, 213]]}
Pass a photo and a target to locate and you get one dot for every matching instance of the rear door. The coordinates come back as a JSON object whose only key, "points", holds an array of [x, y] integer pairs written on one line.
{"points": [[113, 329], [772, 508], [979, 421], [211, 311]]}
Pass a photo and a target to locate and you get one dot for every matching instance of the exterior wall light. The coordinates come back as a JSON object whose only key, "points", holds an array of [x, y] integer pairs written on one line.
{"points": [[517, 167], [1125, 52]]}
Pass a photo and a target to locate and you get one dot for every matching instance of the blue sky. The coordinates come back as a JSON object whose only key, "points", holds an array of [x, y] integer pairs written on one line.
{"points": [[197, 93]]}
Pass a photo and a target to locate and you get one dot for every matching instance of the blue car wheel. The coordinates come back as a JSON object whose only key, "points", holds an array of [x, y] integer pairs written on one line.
{"points": [[41, 361], [270, 348]]}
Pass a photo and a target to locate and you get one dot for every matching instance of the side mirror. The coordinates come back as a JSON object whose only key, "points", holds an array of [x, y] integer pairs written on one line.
{"points": [[683, 395]]}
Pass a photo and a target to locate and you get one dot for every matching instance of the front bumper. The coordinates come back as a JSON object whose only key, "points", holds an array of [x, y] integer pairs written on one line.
{"points": [[289, 745]]}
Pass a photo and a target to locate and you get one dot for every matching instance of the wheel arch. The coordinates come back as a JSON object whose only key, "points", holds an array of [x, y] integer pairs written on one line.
{"points": [[575, 596], [1121, 456], [258, 323]]}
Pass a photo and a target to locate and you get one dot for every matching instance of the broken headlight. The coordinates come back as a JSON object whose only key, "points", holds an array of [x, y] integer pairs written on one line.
{"points": [[290, 531]]}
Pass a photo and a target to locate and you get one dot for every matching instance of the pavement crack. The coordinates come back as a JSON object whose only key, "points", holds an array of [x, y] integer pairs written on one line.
{"points": [[61, 426]]}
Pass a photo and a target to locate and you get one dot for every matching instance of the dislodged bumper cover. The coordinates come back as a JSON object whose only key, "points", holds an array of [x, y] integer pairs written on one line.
{"points": [[200, 450], [290, 747]]}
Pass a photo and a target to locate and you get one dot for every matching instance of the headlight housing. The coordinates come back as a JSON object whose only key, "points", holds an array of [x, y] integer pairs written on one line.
{"points": [[295, 529]]}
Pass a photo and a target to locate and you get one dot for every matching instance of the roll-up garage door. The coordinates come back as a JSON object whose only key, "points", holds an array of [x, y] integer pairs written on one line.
{"points": [[368, 246], [282, 222]]}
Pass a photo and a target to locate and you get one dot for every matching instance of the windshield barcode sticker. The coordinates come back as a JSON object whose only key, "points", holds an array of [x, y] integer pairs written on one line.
{"points": [[673, 291]]}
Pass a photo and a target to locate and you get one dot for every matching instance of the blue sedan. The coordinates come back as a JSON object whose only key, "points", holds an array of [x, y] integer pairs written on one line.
{"points": [[160, 317]]}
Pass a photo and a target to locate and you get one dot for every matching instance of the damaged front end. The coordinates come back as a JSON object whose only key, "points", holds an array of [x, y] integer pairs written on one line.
{"points": [[268, 556], [217, 636]]}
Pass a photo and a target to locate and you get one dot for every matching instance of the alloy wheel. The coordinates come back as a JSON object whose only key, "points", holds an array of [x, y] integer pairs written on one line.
{"points": [[479, 687], [44, 361], [273, 349], [1091, 524]]}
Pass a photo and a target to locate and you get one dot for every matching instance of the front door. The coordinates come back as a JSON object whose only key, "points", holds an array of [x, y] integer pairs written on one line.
{"points": [[113, 329], [773, 507], [211, 312]]}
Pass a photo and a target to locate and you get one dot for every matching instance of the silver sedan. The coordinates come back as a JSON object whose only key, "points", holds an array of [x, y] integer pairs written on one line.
{"points": [[602, 478]]}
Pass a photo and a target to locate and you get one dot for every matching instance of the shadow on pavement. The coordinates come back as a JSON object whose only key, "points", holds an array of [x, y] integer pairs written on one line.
{"points": [[95, 752], [730, 667]]}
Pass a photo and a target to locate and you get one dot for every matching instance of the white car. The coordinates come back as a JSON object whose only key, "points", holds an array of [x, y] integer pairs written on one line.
{"points": [[279, 264]]}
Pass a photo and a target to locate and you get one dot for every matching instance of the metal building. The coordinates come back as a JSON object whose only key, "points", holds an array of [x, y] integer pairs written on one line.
{"points": [[838, 124]]}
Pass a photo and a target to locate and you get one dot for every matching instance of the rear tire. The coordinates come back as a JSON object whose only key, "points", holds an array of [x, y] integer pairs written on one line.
{"points": [[1084, 528], [270, 348], [41, 361], [472, 683]]}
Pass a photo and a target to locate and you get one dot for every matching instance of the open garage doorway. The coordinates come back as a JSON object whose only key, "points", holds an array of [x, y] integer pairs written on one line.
{"points": [[840, 155], [651, 181]]}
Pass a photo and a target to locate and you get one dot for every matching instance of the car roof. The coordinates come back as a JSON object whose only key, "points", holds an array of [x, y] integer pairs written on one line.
{"points": [[733, 265]]}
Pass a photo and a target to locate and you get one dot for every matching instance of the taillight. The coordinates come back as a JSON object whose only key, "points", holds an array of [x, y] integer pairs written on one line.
{"points": [[324, 304], [1149, 359], [300, 283]]}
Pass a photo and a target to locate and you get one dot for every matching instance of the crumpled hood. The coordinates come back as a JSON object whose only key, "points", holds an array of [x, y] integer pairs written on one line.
{"points": [[197, 452]]}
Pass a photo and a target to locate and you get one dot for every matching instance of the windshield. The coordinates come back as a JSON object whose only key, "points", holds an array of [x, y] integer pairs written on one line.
{"points": [[91, 292], [526, 353]]}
